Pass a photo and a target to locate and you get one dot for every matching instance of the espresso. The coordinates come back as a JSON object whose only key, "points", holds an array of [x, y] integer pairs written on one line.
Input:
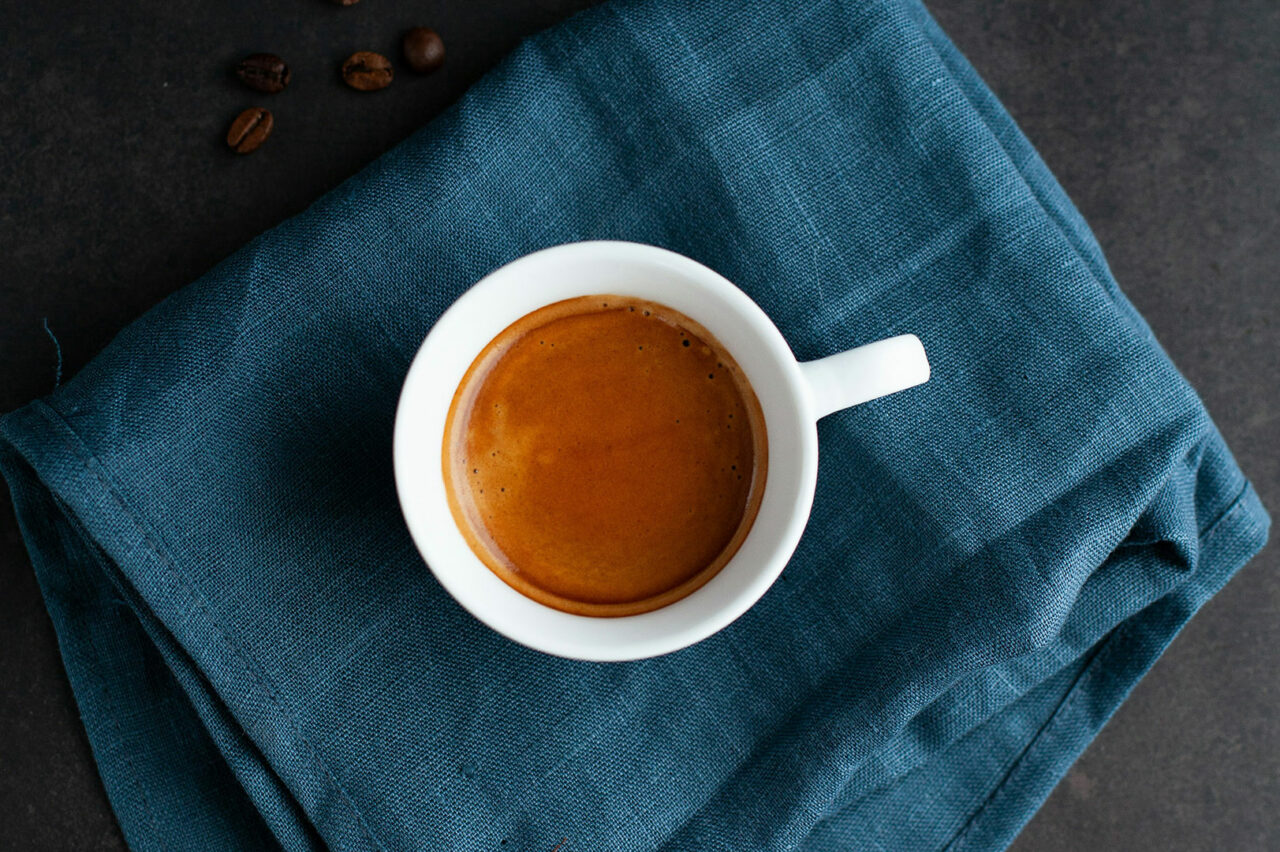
{"points": [[605, 456]]}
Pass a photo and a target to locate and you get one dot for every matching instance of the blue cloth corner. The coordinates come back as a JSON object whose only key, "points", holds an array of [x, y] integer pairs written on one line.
{"points": [[994, 559]]}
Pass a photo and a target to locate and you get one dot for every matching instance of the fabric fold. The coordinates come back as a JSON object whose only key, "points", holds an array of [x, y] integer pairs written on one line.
{"points": [[993, 560]]}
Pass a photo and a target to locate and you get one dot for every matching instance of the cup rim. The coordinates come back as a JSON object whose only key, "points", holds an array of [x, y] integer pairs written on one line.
{"points": [[457, 337]]}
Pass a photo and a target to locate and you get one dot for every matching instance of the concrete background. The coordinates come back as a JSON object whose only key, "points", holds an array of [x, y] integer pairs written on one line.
{"points": [[1161, 119]]}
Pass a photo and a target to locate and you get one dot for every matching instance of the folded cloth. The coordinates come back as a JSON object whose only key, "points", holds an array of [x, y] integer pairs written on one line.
{"points": [[262, 659]]}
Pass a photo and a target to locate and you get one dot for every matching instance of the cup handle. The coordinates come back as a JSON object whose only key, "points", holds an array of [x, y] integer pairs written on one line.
{"points": [[865, 373]]}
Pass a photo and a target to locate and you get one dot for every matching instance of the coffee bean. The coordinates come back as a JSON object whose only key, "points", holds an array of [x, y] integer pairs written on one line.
{"points": [[250, 129], [346, 2], [265, 72], [423, 50], [367, 71]]}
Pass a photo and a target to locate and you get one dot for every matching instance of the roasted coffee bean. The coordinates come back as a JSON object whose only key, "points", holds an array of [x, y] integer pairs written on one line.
{"points": [[250, 129], [346, 2], [367, 71], [423, 50], [265, 72]]}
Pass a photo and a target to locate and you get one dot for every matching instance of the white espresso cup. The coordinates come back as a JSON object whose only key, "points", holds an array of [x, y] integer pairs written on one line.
{"points": [[793, 396]]}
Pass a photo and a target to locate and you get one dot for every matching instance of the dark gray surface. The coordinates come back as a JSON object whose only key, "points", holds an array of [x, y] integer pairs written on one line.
{"points": [[1162, 121]]}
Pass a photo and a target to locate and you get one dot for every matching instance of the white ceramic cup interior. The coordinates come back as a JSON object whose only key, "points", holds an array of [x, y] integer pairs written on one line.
{"points": [[792, 395]]}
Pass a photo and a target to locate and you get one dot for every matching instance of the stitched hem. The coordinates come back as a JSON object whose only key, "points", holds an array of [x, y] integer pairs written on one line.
{"points": [[1241, 524], [15, 467], [54, 472]]}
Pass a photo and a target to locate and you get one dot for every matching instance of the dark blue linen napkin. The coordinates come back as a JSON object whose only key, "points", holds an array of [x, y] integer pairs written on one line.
{"points": [[262, 659]]}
